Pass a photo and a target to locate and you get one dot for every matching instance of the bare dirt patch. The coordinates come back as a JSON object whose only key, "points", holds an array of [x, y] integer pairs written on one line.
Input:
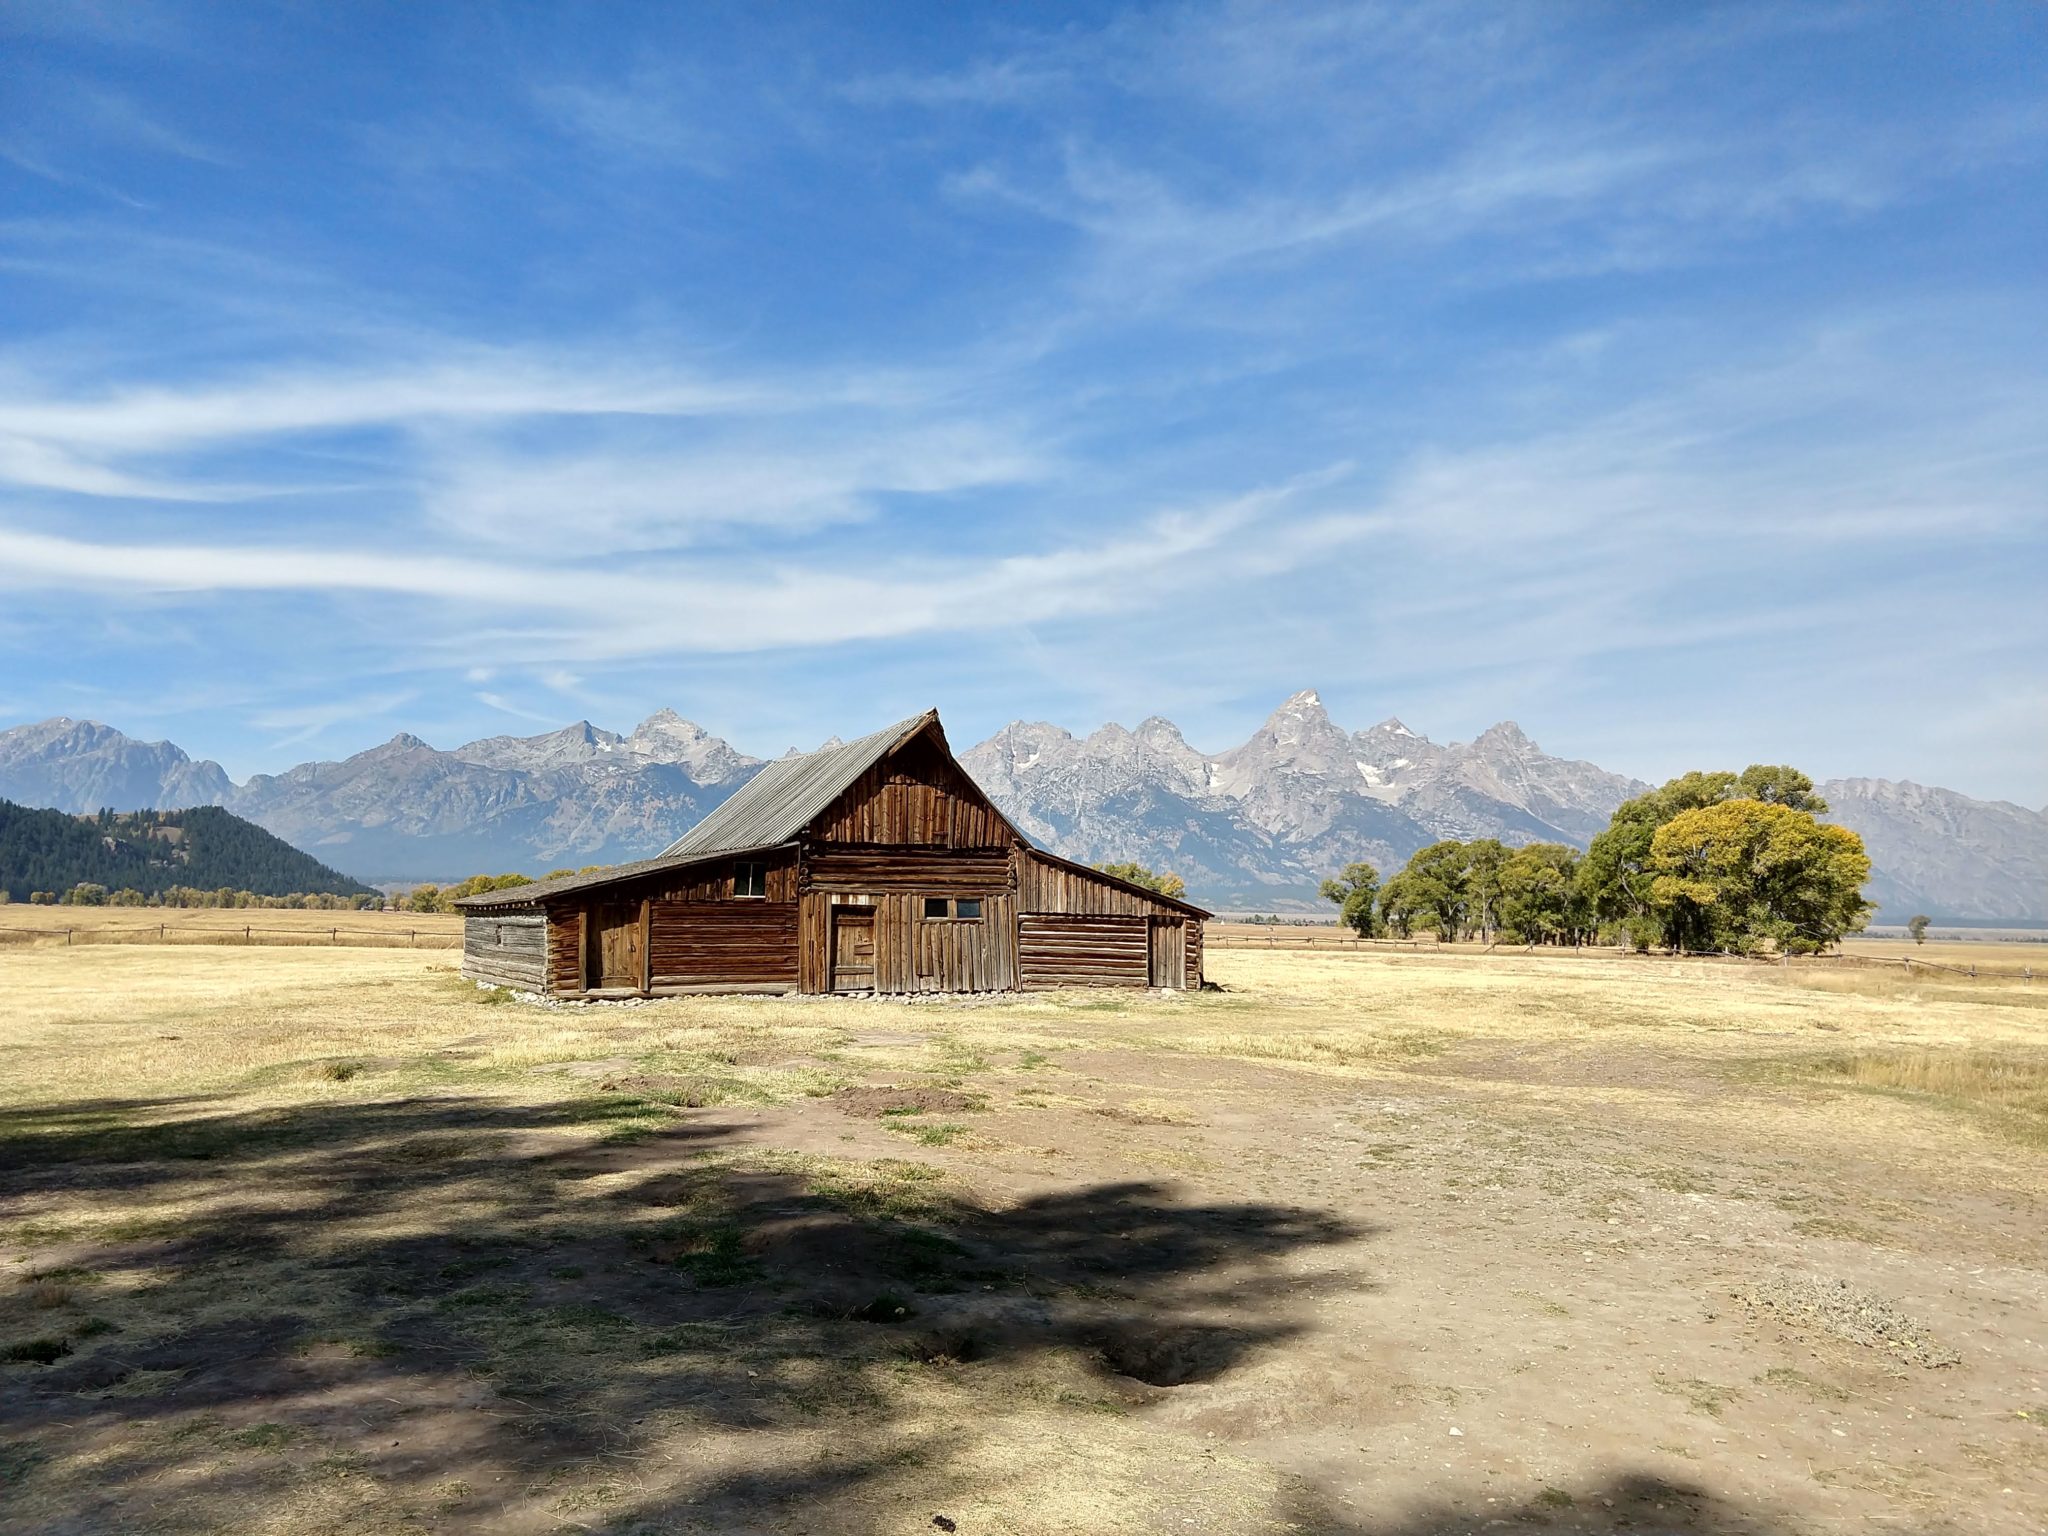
{"points": [[1369, 1245], [872, 1103]]}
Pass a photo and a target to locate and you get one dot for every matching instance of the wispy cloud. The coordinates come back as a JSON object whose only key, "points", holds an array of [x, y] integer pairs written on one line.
{"points": [[303, 722]]}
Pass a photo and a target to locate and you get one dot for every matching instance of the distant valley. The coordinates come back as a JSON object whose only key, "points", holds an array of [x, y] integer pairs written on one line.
{"points": [[1255, 827]]}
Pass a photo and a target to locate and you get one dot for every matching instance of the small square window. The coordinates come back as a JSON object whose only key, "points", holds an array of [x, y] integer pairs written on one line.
{"points": [[967, 906], [749, 880], [935, 906]]}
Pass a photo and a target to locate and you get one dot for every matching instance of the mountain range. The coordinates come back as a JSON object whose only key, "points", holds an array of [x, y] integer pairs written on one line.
{"points": [[1255, 827]]}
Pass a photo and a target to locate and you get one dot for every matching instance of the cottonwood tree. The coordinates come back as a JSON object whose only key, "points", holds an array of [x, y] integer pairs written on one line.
{"points": [[1745, 874], [1435, 888], [1356, 893], [1916, 925], [1542, 899], [1617, 874]]}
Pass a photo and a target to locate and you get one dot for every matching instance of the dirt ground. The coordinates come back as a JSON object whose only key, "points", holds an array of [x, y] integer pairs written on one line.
{"points": [[305, 1240]]}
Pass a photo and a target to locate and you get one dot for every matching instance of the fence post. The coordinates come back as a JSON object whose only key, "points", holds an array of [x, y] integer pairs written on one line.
{"points": [[245, 933], [334, 935], [67, 938]]}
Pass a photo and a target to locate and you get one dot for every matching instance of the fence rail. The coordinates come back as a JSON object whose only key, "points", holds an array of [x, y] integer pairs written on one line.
{"points": [[1909, 964], [252, 934]]}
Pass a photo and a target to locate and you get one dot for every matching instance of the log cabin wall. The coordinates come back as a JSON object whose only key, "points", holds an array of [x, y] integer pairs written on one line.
{"points": [[699, 935], [1063, 949], [912, 952], [506, 950], [1112, 930]]}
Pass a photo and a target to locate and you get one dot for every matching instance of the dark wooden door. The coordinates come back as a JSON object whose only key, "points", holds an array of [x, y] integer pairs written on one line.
{"points": [[617, 954], [853, 949], [1168, 967]]}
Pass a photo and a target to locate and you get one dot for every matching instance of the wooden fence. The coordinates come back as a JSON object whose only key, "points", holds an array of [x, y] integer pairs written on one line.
{"points": [[333, 936]]}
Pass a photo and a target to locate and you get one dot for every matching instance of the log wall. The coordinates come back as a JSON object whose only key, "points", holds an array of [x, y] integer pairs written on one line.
{"points": [[508, 951], [1057, 949], [707, 945], [1194, 957], [565, 952]]}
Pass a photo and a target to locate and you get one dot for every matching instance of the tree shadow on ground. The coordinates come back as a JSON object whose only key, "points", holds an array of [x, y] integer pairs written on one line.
{"points": [[387, 1315], [1641, 1503]]}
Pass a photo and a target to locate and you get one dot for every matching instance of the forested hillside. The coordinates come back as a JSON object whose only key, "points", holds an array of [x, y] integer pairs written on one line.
{"points": [[152, 852]]}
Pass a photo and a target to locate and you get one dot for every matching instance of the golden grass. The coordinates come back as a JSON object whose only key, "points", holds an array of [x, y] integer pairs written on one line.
{"points": [[370, 1101], [79, 927]]}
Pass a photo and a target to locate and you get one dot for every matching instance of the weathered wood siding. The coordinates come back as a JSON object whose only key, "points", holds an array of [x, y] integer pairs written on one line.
{"points": [[1194, 944], [914, 953], [1043, 886], [507, 951], [565, 951], [699, 936], [918, 797], [729, 944], [936, 871], [1169, 963], [713, 880], [1056, 949]]}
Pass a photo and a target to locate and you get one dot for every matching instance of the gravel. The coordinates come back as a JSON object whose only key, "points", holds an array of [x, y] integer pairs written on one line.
{"points": [[1844, 1311]]}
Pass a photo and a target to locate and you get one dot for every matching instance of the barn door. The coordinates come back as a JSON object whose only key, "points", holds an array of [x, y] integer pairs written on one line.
{"points": [[853, 949], [1168, 966], [616, 953]]}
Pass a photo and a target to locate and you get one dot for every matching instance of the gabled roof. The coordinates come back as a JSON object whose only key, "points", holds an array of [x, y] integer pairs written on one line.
{"points": [[789, 794], [561, 885]]}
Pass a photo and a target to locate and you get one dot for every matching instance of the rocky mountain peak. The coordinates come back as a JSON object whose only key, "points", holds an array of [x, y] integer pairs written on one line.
{"points": [[666, 737], [1506, 737]]}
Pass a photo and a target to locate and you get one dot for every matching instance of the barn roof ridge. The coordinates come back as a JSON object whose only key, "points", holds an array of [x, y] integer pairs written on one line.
{"points": [[790, 793]]}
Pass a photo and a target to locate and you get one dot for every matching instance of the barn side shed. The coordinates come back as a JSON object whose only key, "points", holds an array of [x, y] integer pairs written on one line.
{"points": [[872, 866]]}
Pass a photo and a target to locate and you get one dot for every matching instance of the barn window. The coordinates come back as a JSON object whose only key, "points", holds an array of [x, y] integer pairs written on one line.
{"points": [[967, 906], [749, 880], [937, 906]]}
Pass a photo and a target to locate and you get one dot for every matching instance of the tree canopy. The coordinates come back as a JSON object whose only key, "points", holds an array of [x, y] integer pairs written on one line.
{"points": [[1356, 893], [1164, 883], [1741, 875], [1708, 861]]}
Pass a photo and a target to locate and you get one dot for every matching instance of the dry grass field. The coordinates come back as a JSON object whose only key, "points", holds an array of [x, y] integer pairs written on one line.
{"points": [[24, 925], [322, 1239]]}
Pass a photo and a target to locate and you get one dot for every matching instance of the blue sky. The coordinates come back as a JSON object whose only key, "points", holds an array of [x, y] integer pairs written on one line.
{"points": [[1671, 379]]}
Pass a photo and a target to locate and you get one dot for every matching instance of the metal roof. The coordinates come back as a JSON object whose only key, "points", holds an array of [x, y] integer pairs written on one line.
{"points": [[541, 890], [789, 794]]}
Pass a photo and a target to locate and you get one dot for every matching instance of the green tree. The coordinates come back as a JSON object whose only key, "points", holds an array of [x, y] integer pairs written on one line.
{"points": [[1616, 871], [1916, 925], [1484, 859], [1778, 784], [476, 885], [1436, 888], [1400, 907], [1356, 893], [1543, 900], [1165, 884], [87, 893], [1744, 875], [426, 898]]}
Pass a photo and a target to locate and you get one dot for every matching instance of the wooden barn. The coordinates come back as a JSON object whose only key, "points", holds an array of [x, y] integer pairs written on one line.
{"points": [[875, 866]]}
